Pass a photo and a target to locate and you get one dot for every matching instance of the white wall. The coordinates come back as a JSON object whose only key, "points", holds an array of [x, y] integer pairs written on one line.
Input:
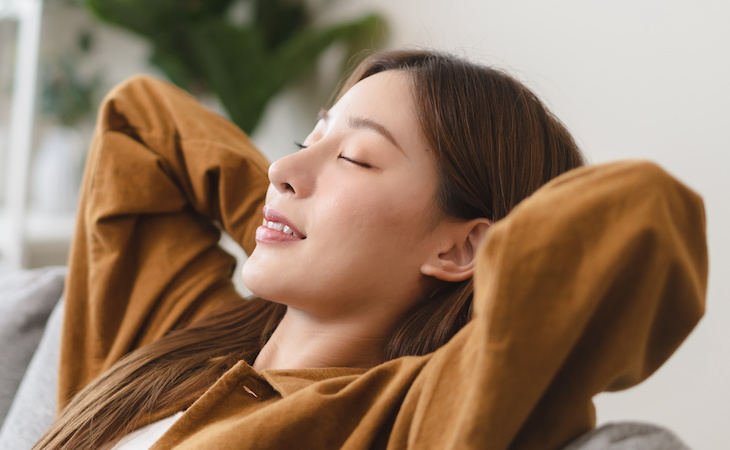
{"points": [[631, 79]]}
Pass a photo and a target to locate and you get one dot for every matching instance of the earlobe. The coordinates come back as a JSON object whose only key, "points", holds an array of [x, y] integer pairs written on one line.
{"points": [[454, 261]]}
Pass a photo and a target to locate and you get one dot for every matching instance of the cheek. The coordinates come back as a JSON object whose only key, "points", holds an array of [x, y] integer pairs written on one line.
{"points": [[381, 219], [410, 206]]}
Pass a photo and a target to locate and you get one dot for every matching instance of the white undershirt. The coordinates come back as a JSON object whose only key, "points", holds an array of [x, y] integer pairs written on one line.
{"points": [[144, 437]]}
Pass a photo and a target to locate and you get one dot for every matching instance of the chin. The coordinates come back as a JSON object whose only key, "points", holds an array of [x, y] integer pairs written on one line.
{"points": [[252, 279], [261, 282]]}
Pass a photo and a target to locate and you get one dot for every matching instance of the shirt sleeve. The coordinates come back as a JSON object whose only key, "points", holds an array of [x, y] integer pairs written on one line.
{"points": [[587, 286], [162, 175]]}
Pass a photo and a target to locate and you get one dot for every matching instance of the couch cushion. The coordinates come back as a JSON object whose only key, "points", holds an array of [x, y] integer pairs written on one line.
{"points": [[628, 436], [34, 406], [27, 298]]}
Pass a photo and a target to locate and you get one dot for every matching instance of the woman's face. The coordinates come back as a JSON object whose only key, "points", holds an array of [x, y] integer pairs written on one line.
{"points": [[358, 207]]}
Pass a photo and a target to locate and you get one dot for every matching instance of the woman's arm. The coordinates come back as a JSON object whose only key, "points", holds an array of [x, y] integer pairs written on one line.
{"points": [[145, 255], [588, 285]]}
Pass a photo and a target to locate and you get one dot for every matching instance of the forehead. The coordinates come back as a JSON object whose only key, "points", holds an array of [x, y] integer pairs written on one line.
{"points": [[394, 82], [386, 98]]}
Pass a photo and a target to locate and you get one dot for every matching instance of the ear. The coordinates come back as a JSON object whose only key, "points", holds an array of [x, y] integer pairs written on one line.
{"points": [[454, 258]]}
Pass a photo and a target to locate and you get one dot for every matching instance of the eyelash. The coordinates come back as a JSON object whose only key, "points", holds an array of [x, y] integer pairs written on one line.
{"points": [[357, 163]]}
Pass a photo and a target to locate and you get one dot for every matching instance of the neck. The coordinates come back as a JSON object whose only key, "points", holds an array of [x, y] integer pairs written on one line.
{"points": [[301, 341]]}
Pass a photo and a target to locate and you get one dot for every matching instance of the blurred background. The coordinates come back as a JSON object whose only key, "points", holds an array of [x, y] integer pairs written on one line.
{"points": [[631, 79]]}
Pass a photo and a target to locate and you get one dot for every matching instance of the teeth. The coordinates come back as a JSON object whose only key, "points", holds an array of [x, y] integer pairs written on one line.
{"points": [[279, 227]]}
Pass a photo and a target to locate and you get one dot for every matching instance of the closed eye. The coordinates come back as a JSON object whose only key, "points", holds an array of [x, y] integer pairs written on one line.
{"points": [[358, 163], [301, 146]]}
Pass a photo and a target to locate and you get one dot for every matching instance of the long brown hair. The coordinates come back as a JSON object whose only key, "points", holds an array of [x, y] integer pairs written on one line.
{"points": [[494, 143]]}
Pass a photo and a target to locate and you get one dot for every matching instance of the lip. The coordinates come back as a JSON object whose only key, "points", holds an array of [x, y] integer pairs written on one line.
{"points": [[266, 234]]}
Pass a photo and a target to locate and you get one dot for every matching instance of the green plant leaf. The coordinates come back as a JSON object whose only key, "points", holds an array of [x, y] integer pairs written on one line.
{"points": [[233, 63], [278, 20], [148, 17], [197, 47]]}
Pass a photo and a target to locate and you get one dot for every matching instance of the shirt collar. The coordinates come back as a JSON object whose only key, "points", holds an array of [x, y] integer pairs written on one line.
{"points": [[289, 381]]}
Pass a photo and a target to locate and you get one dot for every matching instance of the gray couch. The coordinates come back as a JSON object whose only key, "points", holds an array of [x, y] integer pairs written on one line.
{"points": [[30, 323]]}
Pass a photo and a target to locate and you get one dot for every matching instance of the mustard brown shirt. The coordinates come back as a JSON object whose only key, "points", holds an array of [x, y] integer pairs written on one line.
{"points": [[586, 286]]}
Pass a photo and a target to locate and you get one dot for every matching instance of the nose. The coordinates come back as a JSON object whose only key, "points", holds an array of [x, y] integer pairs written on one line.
{"points": [[294, 174]]}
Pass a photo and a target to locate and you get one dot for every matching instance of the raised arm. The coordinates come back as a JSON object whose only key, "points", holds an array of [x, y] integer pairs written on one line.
{"points": [[162, 170], [589, 285]]}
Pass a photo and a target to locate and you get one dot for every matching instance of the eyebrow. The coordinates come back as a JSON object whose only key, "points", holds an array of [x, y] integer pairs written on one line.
{"points": [[366, 124]]}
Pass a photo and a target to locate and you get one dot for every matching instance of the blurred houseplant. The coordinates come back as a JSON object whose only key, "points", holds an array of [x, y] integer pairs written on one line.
{"points": [[68, 99], [66, 95], [199, 46]]}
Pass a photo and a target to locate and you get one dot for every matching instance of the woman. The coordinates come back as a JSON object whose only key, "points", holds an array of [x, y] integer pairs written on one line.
{"points": [[405, 307]]}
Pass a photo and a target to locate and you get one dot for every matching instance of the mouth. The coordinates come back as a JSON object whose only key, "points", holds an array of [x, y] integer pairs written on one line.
{"points": [[274, 220], [278, 226]]}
